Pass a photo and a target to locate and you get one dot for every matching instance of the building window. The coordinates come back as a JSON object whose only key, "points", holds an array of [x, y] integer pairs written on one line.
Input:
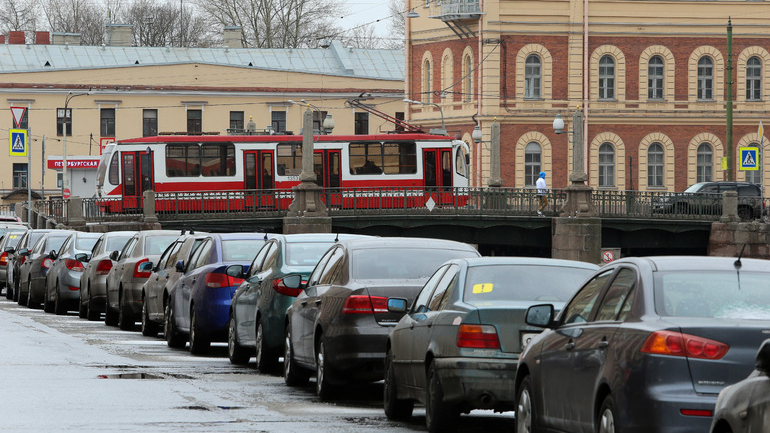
{"points": [[19, 176], [655, 78], [362, 123], [655, 165], [400, 116], [426, 80], [149, 123], [107, 122], [532, 163], [467, 79], [606, 77], [194, 121], [236, 121], [754, 79], [606, 165], [755, 176], [60, 178], [61, 119], [278, 121], [532, 77], [318, 121], [705, 78], [705, 163]]}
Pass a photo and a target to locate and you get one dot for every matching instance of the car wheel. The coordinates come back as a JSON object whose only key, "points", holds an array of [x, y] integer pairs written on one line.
{"points": [[82, 307], [606, 421], [15, 292], [395, 408], [8, 291], [293, 375], [47, 303], [92, 314], [173, 337], [323, 387], [267, 360], [110, 315], [125, 318], [199, 343], [30, 302], [439, 415], [59, 307], [149, 328], [22, 298], [238, 354], [524, 408]]}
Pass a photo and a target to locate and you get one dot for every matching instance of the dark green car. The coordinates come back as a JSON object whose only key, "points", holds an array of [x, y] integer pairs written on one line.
{"points": [[457, 347], [258, 308]]}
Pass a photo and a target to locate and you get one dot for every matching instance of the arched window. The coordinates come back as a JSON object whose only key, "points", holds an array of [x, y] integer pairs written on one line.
{"points": [[606, 77], [655, 165], [705, 163], [705, 78], [655, 76], [606, 165], [532, 77], [532, 163], [754, 79], [755, 176], [446, 72], [467, 79], [426, 80]]}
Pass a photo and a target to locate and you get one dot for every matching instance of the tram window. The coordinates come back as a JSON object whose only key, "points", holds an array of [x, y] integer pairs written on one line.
{"points": [[114, 177], [400, 158], [388, 158], [183, 160], [460, 167], [289, 159], [218, 159]]}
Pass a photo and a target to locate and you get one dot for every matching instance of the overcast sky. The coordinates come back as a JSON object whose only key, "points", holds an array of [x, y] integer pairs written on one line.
{"points": [[365, 11]]}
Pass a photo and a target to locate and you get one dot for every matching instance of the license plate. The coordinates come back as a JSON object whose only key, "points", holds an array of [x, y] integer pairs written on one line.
{"points": [[527, 337]]}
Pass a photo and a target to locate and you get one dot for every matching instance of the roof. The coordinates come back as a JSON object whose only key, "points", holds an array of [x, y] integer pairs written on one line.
{"points": [[405, 242], [336, 60], [527, 261]]}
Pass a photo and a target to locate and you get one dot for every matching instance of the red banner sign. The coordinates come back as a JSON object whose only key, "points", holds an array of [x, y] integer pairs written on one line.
{"points": [[57, 164]]}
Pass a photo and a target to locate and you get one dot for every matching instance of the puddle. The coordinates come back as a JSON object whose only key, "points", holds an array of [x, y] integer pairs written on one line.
{"points": [[129, 376], [202, 408]]}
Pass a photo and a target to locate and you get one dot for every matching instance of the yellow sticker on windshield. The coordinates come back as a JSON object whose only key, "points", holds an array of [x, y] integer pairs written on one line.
{"points": [[482, 288]]}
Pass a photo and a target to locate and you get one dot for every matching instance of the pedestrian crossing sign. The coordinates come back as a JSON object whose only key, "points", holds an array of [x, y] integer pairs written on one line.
{"points": [[18, 142], [749, 158]]}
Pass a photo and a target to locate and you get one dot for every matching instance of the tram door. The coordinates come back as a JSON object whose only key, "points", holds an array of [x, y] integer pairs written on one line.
{"points": [[259, 177], [137, 177], [437, 173], [326, 165]]}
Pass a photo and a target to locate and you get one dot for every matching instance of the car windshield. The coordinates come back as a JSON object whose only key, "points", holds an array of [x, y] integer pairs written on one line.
{"points": [[156, 244], [4, 230], [718, 294], [522, 283], [695, 188], [240, 250], [13, 239], [116, 243], [34, 237], [305, 253], [82, 243], [55, 242], [400, 263]]}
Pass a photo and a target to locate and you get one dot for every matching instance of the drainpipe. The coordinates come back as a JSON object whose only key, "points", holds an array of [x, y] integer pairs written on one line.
{"points": [[585, 88], [729, 81], [480, 92]]}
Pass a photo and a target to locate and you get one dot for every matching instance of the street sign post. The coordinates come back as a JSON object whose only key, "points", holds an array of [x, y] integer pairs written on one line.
{"points": [[18, 114], [66, 193]]}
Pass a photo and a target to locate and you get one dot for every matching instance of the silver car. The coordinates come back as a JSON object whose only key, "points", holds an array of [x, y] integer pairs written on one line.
{"points": [[63, 279], [36, 265], [9, 240], [92, 283], [128, 275]]}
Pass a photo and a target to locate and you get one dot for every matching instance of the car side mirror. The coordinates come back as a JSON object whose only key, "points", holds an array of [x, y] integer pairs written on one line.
{"points": [[82, 257], [145, 267], [179, 266], [52, 254], [235, 271], [9, 250], [762, 362], [23, 252], [397, 305], [293, 281], [540, 315], [114, 255]]}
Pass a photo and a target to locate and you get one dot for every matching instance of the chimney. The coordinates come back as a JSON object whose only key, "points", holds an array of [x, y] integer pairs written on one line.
{"points": [[120, 35], [42, 38], [233, 37], [66, 38], [16, 37]]}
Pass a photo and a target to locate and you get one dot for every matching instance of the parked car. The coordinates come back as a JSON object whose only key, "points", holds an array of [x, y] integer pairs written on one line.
{"points": [[705, 198], [26, 242], [258, 309], [171, 265], [63, 279], [745, 406], [7, 244], [37, 263], [646, 345], [98, 264], [199, 302], [123, 287], [457, 347], [339, 323]]}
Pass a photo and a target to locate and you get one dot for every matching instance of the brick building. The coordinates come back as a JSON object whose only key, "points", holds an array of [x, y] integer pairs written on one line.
{"points": [[650, 77]]}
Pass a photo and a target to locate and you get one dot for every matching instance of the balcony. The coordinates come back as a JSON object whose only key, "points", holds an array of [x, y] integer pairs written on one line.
{"points": [[454, 10]]}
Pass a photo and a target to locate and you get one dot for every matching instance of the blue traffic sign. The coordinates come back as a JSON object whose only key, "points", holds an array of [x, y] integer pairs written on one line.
{"points": [[749, 158], [18, 142]]}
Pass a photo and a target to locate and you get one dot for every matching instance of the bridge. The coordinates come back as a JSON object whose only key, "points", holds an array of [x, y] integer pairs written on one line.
{"points": [[500, 221]]}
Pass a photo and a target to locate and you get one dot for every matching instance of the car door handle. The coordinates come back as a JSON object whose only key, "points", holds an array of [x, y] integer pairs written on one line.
{"points": [[570, 345], [411, 326], [317, 302], [604, 344], [303, 303]]}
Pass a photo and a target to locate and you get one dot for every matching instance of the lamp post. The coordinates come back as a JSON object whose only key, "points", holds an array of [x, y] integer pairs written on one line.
{"points": [[441, 131], [327, 125], [578, 201], [70, 96]]}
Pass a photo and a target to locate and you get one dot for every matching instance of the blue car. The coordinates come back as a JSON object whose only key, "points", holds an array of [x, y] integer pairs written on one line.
{"points": [[199, 301]]}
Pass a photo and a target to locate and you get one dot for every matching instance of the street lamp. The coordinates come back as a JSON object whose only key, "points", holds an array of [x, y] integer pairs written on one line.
{"points": [[578, 175], [327, 125], [70, 96], [441, 131]]}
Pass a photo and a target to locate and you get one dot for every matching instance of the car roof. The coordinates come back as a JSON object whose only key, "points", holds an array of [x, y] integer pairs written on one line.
{"points": [[698, 263], [243, 235], [320, 237], [401, 242], [527, 261]]}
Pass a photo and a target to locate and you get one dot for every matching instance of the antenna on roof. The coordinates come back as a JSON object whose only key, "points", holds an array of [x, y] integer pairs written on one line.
{"points": [[337, 238], [738, 263], [265, 235]]}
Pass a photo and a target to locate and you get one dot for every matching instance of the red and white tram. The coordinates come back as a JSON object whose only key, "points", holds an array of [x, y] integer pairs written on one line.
{"points": [[203, 163]]}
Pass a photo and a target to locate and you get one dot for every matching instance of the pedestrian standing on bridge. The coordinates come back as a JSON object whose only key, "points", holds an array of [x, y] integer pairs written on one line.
{"points": [[542, 193]]}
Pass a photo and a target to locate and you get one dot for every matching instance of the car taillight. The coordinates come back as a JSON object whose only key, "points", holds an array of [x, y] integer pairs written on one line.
{"points": [[46, 263], [4, 259], [103, 267], [74, 265], [281, 288], [22, 260], [362, 304], [696, 412], [138, 273], [477, 337], [677, 344], [216, 280]]}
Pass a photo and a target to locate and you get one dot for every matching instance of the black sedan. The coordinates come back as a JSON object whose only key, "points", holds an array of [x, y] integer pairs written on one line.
{"points": [[458, 346], [645, 346], [338, 325]]}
